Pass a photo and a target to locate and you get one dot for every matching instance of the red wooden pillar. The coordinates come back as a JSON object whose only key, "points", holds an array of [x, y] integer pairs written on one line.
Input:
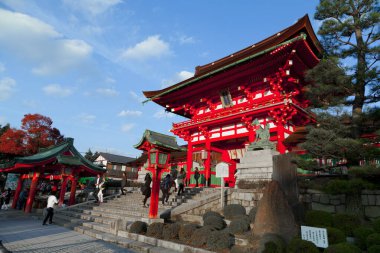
{"points": [[154, 198], [280, 138], [189, 162], [208, 162], [18, 191], [63, 190], [32, 192], [74, 181]]}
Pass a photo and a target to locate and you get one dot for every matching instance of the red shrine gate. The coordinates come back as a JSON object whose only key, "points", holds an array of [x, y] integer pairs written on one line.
{"points": [[262, 82]]}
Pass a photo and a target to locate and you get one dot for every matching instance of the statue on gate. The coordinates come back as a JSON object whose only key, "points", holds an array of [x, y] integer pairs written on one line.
{"points": [[262, 137]]}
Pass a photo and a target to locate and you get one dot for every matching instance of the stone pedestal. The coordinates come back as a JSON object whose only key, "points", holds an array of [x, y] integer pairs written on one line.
{"points": [[256, 165]]}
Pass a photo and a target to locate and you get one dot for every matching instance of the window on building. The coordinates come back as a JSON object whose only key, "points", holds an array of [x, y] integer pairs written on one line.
{"points": [[226, 98]]}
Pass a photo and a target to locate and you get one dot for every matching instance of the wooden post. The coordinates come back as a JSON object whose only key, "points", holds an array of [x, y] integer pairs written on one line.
{"points": [[18, 191], [280, 138], [74, 181], [32, 192], [63, 190], [154, 198], [208, 162]]}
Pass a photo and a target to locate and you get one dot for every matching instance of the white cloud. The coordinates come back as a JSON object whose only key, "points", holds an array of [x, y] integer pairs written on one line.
{"points": [[3, 120], [136, 97], [108, 92], [87, 118], [152, 47], [38, 43], [178, 77], [94, 7], [110, 80], [56, 90], [163, 114], [127, 127], [30, 103], [7, 85], [2, 67], [186, 40], [129, 113]]}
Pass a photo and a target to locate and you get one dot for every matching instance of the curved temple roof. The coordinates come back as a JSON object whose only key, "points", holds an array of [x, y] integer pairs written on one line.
{"points": [[302, 26], [160, 140], [58, 153]]}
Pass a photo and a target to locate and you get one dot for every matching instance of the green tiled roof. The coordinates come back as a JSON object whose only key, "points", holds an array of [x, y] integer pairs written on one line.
{"points": [[57, 152], [160, 140]]}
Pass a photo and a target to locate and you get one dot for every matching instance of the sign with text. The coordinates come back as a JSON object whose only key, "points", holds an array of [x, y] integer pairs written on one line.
{"points": [[318, 236], [222, 170]]}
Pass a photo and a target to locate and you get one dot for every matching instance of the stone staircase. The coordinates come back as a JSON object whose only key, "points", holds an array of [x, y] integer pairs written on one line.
{"points": [[109, 221]]}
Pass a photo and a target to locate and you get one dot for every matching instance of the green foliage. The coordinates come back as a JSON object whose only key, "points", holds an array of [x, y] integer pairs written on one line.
{"points": [[342, 248], [361, 234], [272, 243], [239, 225], [200, 235], [367, 172], [353, 186], [219, 240], [374, 249], [317, 218], [297, 245], [373, 239], [171, 231], [335, 235], [138, 227], [376, 225], [155, 230], [252, 214], [186, 231], [233, 210], [215, 222], [346, 222], [211, 213]]}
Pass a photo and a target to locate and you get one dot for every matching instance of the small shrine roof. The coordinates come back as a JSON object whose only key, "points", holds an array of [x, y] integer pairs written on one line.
{"points": [[287, 35], [63, 153], [160, 140]]}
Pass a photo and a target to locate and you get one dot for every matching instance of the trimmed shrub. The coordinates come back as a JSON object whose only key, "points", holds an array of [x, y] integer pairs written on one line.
{"points": [[215, 222], [272, 243], [239, 225], [212, 213], [297, 245], [342, 248], [138, 227], [373, 239], [155, 230], [219, 240], [335, 235], [374, 249], [171, 231], [376, 225], [346, 222], [252, 214], [233, 210], [316, 218], [361, 235], [186, 231], [200, 235], [241, 249]]}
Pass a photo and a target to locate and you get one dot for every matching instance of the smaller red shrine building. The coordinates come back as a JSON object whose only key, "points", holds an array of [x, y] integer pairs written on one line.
{"points": [[263, 82], [59, 164]]}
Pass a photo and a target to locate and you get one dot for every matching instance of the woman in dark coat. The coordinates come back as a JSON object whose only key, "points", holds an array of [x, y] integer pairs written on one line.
{"points": [[146, 190], [123, 183]]}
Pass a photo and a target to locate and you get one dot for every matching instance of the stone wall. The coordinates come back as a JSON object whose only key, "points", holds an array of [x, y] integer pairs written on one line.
{"points": [[317, 200]]}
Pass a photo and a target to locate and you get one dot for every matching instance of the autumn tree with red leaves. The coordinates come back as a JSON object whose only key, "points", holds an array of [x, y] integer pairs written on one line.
{"points": [[36, 132]]}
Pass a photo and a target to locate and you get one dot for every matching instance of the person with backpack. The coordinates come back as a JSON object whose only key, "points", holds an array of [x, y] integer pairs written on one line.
{"points": [[165, 188], [181, 178], [146, 189]]}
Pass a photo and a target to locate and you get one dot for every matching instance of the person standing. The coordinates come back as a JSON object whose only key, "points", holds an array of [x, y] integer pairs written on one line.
{"points": [[146, 190], [123, 183], [52, 200], [22, 199], [196, 176], [181, 178], [101, 188], [165, 188], [7, 199], [97, 188]]}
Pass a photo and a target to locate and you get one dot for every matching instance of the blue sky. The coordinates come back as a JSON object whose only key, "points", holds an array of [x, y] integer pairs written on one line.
{"points": [[85, 63]]}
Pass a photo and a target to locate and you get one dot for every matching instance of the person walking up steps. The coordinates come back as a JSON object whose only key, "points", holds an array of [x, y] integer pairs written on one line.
{"points": [[52, 200], [181, 178], [166, 184], [145, 189], [101, 188]]}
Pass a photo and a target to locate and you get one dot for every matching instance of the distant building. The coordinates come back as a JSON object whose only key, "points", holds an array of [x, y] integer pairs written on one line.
{"points": [[116, 165]]}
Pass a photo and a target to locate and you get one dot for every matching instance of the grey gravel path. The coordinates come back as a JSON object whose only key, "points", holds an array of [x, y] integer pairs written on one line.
{"points": [[24, 234]]}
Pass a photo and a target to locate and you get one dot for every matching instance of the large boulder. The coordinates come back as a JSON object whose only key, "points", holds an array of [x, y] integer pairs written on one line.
{"points": [[274, 215]]}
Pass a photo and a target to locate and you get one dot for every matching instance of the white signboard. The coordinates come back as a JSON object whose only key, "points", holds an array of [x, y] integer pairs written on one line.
{"points": [[318, 236], [222, 170]]}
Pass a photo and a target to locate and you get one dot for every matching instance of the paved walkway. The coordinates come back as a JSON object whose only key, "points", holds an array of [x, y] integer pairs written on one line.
{"points": [[23, 233]]}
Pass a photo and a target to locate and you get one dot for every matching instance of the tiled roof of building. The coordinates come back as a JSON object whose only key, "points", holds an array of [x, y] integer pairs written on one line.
{"points": [[116, 158]]}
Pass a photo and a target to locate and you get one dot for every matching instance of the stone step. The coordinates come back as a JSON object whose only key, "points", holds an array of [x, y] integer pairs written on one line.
{"points": [[89, 217], [105, 228]]}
